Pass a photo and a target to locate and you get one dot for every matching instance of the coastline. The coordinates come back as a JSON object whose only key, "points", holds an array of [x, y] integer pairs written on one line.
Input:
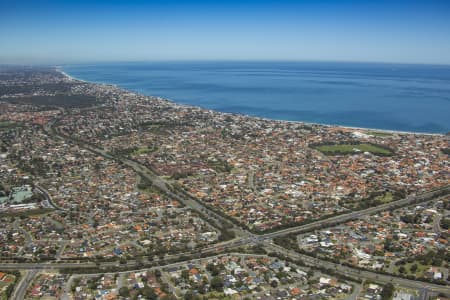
{"points": [[73, 78], [60, 70], [388, 131]]}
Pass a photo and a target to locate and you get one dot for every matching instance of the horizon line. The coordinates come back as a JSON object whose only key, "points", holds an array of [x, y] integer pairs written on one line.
{"points": [[88, 62]]}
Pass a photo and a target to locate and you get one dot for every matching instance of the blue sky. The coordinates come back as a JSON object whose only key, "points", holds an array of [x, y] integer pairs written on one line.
{"points": [[58, 31]]}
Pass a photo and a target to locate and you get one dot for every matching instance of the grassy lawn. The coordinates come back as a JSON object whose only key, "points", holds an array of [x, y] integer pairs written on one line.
{"points": [[421, 269], [144, 150], [387, 197], [3, 286], [6, 124], [8, 280], [352, 148]]}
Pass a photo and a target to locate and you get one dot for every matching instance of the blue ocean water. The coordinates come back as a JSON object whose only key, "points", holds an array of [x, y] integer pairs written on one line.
{"points": [[385, 96]]}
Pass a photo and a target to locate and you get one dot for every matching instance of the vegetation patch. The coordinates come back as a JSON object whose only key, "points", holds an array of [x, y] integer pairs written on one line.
{"points": [[386, 198], [145, 150], [146, 185], [415, 269], [7, 124], [352, 148], [374, 199], [8, 281], [445, 223], [130, 151]]}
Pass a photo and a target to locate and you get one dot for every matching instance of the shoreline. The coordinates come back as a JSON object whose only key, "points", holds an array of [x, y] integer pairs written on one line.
{"points": [[72, 78], [389, 131]]}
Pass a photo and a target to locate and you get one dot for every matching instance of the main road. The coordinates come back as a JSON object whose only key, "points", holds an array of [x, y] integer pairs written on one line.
{"points": [[409, 200], [357, 273]]}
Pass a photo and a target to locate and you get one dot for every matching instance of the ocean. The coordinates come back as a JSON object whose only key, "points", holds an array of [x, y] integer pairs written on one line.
{"points": [[383, 96]]}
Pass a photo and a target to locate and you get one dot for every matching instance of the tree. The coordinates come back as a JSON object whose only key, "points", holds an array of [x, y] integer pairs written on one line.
{"points": [[75, 284], [388, 244], [124, 292], [214, 269], [239, 284], [157, 273], [185, 274], [189, 295], [202, 289], [217, 283], [149, 293], [388, 291], [274, 284], [92, 285]]}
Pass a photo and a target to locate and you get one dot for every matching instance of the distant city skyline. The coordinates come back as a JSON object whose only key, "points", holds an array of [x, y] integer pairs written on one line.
{"points": [[66, 32]]}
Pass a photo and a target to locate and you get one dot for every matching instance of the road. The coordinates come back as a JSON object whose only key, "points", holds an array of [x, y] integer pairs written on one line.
{"points": [[46, 266], [357, 291], [356, 273], [26, 234], [437, 224], [357, 214], [308, 260], [47, 196], [21, 289]]}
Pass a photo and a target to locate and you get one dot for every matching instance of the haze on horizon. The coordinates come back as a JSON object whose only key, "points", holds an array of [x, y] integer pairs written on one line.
{"points": [[59, 32]]}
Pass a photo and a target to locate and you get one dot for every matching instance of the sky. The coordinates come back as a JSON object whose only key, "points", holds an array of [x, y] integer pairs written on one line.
{"points": [[87, 31]]}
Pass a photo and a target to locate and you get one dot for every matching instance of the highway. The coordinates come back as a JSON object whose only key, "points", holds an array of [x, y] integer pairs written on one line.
{"points": [[356, 273], [45, 266], [357, 214]]}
